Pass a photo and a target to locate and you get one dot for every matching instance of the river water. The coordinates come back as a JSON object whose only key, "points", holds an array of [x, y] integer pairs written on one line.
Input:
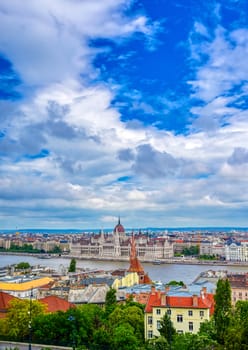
{"points": [[163, 272]]}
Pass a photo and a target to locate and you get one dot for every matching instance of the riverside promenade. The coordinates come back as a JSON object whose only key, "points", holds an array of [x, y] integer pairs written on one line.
{"points": [[178, 260]]}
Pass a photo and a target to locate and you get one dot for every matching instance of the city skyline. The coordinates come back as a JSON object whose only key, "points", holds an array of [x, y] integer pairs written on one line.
{"points": [[130, 108]]}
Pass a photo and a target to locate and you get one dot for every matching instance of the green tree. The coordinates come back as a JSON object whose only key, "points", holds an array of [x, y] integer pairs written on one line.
{"points": [[222, 309], [239, 322], [110, 301], [207, 329], [189, 341], [167, 329], [101, 339], [124, 338], [55, 250], [159, 343], [89, 318], [72, 267], [19, 315], [192, 250], [23, 266]]}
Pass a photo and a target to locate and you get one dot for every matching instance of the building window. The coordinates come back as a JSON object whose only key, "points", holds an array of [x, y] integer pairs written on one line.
{"points": [[201, 313], [191, 328], [158, 311], [179, 318], [190, 313], [149, 320], [179, 331], [169, 312], [150, 334], [158, 324]]}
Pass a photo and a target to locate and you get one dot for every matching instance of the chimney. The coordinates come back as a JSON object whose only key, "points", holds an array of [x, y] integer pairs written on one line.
{"points": [[163, 299], [159, 294], [195, 300], [203, 292], [153, 290], [167, 288]]}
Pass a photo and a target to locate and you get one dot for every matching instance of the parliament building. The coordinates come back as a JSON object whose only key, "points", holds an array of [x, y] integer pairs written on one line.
{"points": [[117, 245]]}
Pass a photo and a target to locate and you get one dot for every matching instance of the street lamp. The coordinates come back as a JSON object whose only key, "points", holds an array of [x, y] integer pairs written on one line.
{"points": [[30, 321], [72, 319]]}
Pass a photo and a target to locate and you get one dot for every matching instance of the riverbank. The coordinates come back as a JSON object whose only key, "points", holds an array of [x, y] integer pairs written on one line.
{"points": [[164, 272], [178, 261]]}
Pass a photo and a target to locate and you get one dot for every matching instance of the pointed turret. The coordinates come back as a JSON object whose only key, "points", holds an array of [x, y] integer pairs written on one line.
{"points": [[135, 264]]}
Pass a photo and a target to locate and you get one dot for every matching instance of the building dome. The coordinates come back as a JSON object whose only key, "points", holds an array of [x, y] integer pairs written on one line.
{"points": [[119, 228]]}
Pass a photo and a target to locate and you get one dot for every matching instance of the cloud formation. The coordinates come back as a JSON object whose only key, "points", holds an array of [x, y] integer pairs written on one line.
{"points": [[79, 145]]}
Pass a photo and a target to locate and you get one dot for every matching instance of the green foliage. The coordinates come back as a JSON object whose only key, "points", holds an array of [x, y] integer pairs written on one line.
{"points": [[101, 339], [3, 329], [55, 250], [239, 325], [192, 250], [19, 317], [121, 326], [207, 257], [110, 301], [223, 309], [159, 343], [124, 338], [207, 329], [23, 266], [175, 283], [26, 248], [167, 329], [189, 341], [72, 267]]}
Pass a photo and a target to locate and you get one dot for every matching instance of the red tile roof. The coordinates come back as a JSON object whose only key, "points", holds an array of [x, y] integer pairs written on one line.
{"points": [[160, 299], [5, 298], [55, 303]]}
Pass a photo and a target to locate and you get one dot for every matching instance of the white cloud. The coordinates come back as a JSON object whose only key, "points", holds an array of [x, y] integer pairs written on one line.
{"points": [[54, 37], [97, 165]]}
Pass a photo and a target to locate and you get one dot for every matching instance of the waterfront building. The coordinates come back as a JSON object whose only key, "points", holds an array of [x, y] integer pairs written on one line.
{"points": [[239, 286], [186, 311], [5, 243], [237, 250], [117, 245], [215, 248]]}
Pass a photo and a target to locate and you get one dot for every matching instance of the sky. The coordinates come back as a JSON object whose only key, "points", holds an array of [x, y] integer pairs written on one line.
{"points": [[130, 108]]}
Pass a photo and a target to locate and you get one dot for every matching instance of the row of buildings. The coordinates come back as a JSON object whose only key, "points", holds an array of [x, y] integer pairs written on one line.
{"points": [[187, 306], [149, 245]]}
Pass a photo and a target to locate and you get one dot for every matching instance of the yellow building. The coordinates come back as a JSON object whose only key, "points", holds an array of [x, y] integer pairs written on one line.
{"points": [[186, 312], [127, 281], [22, 288]]}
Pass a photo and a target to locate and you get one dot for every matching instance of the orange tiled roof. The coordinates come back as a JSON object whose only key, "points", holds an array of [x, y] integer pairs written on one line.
{"points": [[5, 298], [55, 303], [202, 302]]}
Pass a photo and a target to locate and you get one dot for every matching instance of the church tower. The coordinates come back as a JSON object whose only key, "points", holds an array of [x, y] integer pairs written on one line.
{"points": [[135, 264]]}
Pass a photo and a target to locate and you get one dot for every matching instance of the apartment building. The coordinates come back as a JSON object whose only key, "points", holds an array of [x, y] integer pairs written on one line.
{"points": [[187, 312]]}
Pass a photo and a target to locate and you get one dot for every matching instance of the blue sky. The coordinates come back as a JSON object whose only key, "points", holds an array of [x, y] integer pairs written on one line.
{"points": [[130, 108]]}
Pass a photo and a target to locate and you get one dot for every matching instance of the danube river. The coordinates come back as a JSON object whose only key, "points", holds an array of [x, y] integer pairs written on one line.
{"points": [[163, 272]]}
